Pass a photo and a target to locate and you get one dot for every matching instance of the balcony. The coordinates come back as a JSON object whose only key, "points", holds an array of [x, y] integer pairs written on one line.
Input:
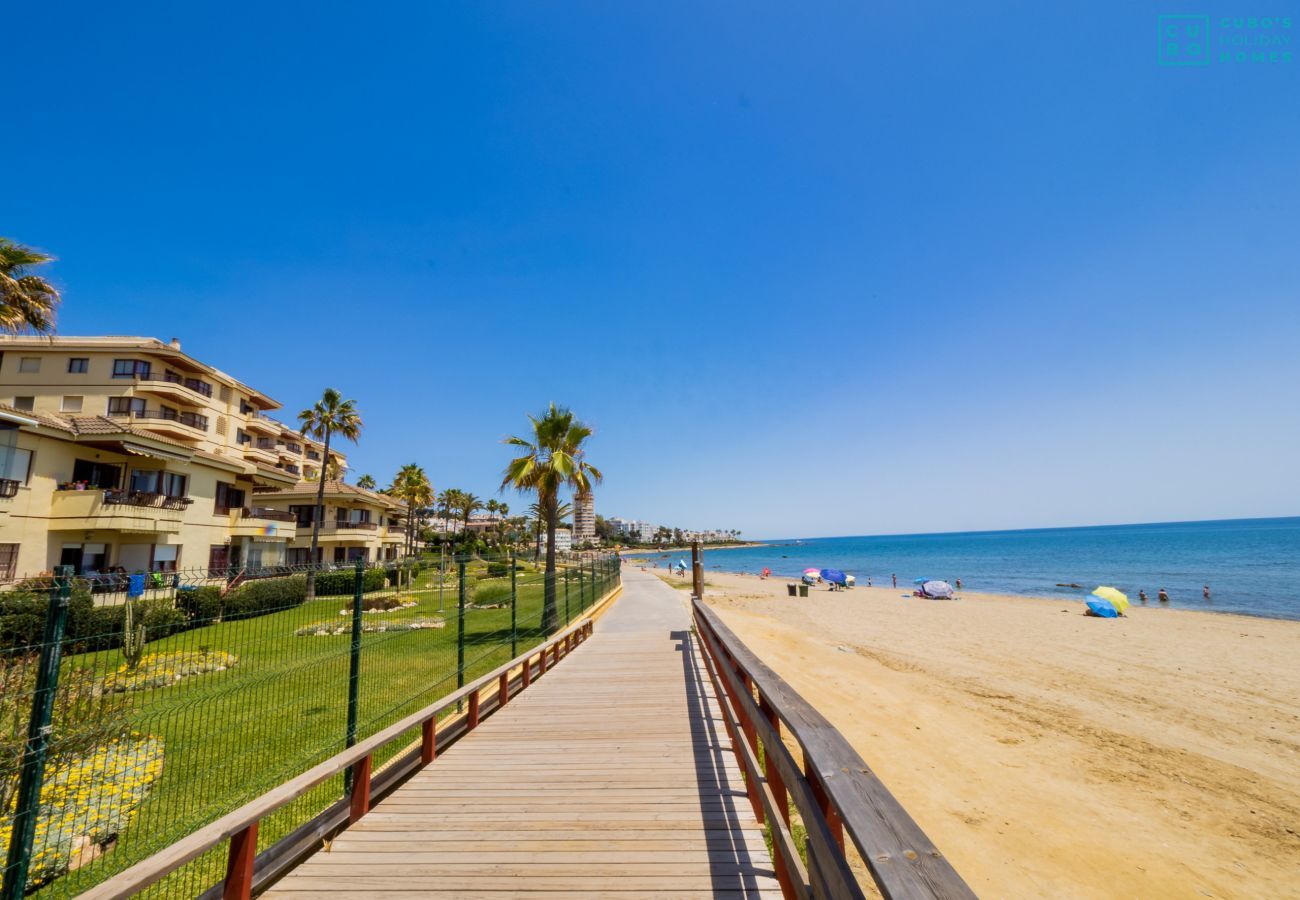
{"points": [[174, 387], [290, 468], [259, 422], [274, 515], [135, 512], [291, 448], [179, 424], [9, 488], [313, 455], [264, 524]]}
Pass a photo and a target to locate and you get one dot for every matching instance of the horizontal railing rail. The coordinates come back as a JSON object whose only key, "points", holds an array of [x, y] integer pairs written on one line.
{"points": [[834, 790], [148, 499], [275, 515], [240, 826]]}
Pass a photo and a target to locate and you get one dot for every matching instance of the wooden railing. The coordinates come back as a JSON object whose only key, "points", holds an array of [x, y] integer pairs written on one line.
{"points": [[833, 789], [245, 866]]}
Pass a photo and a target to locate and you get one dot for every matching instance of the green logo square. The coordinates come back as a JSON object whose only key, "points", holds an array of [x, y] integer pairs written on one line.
{"points": [[1184, 40]]}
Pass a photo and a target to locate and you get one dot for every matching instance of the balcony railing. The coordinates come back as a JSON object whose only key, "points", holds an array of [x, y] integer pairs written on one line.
{"points": [[265, 444], [291, 469], [9, 487], [193, 420], [275, 515], [145, 499], [200, 387], [293, 448], [355, 526], [313, 456]]}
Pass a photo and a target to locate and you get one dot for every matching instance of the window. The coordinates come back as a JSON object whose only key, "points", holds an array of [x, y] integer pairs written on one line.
{"points": [[164, 557], [26, 404], [96, 474], [242, 436], [29, 364], [228, 497], [121, 406], [78, 365], [71, 404], [129, 368], [16, 464], [304, 514], [173, 485], [245, 409], [145, 480], [8, 561]]}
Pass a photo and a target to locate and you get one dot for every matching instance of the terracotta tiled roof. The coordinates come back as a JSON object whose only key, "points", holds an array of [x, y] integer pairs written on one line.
{"points": [[343, 489], [93, 425]]}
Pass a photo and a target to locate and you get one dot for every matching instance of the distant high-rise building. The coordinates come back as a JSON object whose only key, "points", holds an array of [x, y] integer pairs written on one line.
{"points": [[584, 519]]}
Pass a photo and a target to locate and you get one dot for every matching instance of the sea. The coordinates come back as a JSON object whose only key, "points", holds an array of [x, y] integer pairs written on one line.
{"points": [[1251, 565]]}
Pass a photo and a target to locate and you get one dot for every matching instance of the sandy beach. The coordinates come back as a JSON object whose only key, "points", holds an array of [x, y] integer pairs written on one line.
{"points": [[1050, 754]]}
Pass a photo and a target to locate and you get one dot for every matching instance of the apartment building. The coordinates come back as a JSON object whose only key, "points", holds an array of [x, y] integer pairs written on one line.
{"points": [[584, 519], [357, 523], [126, 453]]}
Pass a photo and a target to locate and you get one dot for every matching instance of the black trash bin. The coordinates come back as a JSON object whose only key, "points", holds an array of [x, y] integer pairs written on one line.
{"points": [[792, 589]]}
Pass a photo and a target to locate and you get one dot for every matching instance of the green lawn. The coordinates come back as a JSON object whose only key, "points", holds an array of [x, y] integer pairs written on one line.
{"points": [[231, 735]]}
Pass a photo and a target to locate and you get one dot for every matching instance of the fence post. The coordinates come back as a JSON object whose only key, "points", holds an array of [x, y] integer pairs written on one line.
{"points": [[596, 586], [460, 628], [354, 664], [567, 572], [23, 833], [514, 608]]}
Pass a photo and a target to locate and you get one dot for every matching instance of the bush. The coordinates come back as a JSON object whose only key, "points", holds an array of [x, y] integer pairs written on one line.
{"points": [[202, 604], [498, 569], [160, 618], [265, 595], [490, 594], [341, 583]]}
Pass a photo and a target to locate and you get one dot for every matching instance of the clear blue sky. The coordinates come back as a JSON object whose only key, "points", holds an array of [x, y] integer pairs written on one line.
{"points": [[842, 269]]}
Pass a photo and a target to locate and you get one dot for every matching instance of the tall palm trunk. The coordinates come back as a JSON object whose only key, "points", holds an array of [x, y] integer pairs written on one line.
{"points": [[316, 519], [550, 611]]}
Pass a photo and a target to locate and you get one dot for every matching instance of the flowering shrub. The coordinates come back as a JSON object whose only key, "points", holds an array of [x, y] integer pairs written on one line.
{"points": [[325, 629], [161, 669], [87, 801]]}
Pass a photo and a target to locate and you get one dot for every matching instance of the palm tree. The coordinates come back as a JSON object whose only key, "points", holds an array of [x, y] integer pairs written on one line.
{"points": [[411, 484], [449, 501], [27, 301], [468, 505], [330, 414], [553, 459], [367, 482]]}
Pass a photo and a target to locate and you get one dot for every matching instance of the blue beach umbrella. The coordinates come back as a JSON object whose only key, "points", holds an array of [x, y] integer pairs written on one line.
{"points": [[833, 576], [920, 580], [1102, 608]]}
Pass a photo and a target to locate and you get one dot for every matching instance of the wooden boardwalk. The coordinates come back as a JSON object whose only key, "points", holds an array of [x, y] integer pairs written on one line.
{"points": [[612, 776]]}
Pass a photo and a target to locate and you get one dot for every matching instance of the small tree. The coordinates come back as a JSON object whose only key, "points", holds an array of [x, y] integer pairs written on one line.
{"points": [[328, 416]]}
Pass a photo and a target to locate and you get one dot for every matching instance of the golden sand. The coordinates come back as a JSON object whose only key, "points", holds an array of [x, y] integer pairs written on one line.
{"points": [[1050, 754]]}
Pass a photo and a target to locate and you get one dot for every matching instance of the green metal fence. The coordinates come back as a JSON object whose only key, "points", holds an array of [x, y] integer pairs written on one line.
{"points": [[136, 708]]}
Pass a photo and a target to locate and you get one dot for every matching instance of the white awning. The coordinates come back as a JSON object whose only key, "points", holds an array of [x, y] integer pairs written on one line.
{"points": [[138, 450]]}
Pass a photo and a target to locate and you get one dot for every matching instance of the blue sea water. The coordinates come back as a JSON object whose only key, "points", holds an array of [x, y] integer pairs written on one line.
{"points": [[1251, 565]]}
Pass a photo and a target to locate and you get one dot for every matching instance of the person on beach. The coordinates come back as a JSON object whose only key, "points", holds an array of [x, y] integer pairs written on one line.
{"points": [[868, 581], [1205, 592], [895, 577], [1163, 596], [959, 584], [1142, 595]]}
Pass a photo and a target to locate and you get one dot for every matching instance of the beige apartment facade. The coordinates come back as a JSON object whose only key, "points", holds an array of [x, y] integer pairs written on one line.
{"points": [[356, 524], [127, 454]]}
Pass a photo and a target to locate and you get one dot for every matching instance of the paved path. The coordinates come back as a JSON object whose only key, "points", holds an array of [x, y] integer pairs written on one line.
{"points": [[612, 776]]}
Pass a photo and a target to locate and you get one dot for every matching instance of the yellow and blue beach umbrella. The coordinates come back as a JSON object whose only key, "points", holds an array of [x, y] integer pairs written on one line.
{"points": [[1107, 602]]}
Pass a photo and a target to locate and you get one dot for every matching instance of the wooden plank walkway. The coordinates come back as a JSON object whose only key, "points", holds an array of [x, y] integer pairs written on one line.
{"points": [[612, 776]]}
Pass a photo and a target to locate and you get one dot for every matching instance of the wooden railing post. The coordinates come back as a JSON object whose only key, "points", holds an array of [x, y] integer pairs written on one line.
{"points": [[472, 719], [528, 671], [824, 801], [428, 740], [503, 690], [360, 803], [541, 662], [239, 864]]}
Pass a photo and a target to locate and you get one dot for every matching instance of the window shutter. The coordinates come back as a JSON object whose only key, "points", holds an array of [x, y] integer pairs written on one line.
{"points": [[221, 425]]}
